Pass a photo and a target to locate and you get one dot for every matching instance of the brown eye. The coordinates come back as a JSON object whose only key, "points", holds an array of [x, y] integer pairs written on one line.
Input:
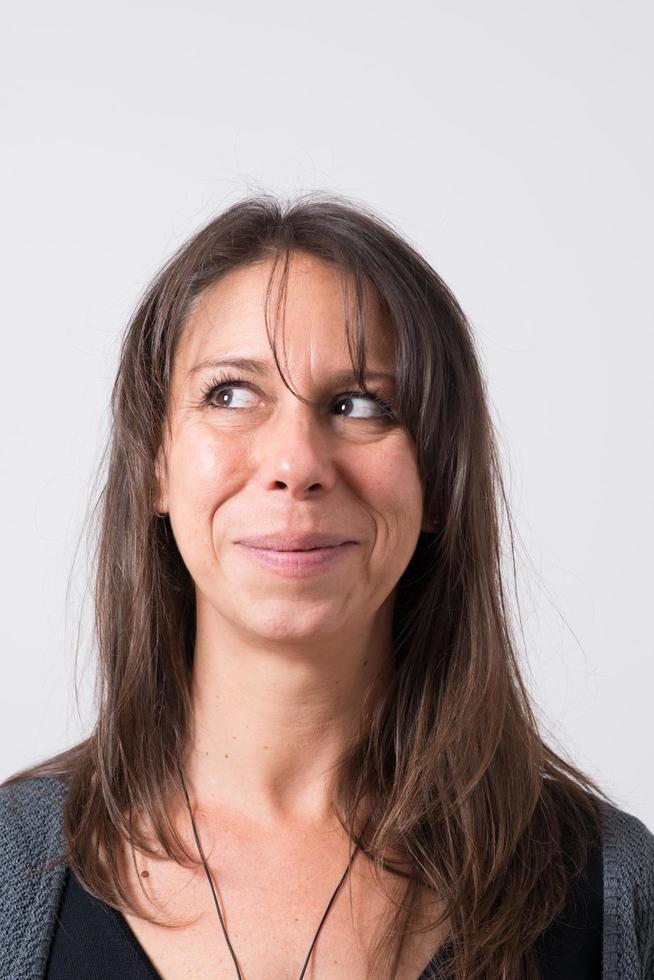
{"points": [[230, 394], [363, 405], [233, 398]]}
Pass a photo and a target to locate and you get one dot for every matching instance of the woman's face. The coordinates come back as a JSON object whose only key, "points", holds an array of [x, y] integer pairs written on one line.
{"points": [[247, 459]]}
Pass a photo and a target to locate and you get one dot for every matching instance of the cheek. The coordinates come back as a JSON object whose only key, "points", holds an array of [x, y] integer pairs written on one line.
{"points": [[394, 488], [203, 472], [402, 519]]}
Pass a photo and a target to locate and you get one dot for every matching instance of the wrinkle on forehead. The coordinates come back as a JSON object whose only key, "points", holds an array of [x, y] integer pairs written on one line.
{"points": [[342, 309], [275, 302]]}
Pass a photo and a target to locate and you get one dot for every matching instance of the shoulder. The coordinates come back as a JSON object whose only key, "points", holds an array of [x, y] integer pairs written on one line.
{"points": [[33, 872], [628, 853], [30, 813], [628, 847], [31, 833], [20, 794], [31, 828]]}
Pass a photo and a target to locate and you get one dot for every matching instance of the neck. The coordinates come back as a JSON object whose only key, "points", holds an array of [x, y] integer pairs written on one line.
{"points": [[270, 721]]}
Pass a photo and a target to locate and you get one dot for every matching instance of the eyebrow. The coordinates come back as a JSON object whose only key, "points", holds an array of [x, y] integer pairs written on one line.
{"points": [[263, 369]]}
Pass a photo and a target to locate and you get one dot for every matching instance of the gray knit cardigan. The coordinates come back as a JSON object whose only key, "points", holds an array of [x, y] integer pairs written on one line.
{"points": [[31, 836]]}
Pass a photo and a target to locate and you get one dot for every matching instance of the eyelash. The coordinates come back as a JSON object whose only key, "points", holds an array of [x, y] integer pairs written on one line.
{"points": [[225, 381]]}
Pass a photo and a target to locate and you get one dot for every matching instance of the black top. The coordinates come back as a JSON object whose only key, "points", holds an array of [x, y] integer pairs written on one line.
{"points": [[93, 941]]}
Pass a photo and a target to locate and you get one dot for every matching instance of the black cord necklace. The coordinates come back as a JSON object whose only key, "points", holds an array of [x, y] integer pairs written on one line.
{"points": [[215, 899]]}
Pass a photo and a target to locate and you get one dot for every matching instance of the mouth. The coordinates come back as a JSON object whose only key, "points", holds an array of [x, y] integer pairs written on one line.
{"points": [[296, 561], [295, 542]]}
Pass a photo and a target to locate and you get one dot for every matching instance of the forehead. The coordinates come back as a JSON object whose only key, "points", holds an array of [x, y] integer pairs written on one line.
{"points": [[228, 317]]}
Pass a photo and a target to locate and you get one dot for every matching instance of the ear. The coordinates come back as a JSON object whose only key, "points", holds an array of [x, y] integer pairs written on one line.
{"points": [[161, 483]]}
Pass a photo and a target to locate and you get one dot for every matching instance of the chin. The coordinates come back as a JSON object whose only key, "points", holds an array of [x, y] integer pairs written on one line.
{"points": [[295, 621]]}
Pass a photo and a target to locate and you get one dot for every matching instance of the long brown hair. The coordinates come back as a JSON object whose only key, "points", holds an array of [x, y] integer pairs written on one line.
{"points": [[468, 793]]}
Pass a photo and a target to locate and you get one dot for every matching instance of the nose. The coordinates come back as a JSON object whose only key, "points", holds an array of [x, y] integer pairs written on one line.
{"points": [[295, 453]]}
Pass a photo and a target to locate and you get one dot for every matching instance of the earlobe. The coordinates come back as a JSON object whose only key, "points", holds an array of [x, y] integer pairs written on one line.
{"points": [[429, 525]]}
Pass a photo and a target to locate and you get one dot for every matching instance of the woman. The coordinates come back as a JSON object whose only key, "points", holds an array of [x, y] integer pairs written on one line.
{"points": [[314, 755]]}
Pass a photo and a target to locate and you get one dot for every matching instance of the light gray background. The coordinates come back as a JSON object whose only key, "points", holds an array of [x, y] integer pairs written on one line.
{"points": [[511, 142]]}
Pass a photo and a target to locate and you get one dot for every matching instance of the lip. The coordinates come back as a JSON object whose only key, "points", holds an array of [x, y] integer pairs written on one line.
{"points": [[294, 542], [287, 556]]}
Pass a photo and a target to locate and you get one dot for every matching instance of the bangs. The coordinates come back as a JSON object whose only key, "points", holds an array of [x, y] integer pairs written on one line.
{"points": [[355, 311]]}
